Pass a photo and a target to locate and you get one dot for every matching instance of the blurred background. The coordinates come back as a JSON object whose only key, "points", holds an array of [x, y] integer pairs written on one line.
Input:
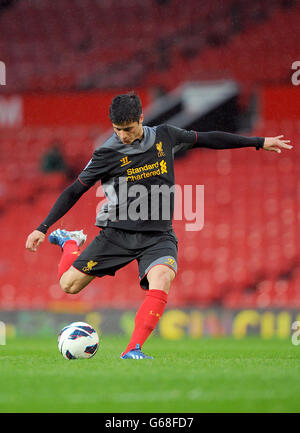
{"points": [[219, 65]]}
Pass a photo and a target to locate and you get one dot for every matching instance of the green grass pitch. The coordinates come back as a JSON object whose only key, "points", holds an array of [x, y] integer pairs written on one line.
{"points": [[204, 375]]}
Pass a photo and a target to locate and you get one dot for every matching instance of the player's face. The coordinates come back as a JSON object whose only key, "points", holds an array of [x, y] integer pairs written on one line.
{"points": [[128, 132]]}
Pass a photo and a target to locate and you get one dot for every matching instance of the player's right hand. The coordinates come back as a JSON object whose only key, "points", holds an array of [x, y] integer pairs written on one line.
{"points": [[34, 240]]}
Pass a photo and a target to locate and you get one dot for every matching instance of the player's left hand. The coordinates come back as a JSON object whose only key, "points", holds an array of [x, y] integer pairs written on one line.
{"points": [[275, 144], [34, 240]]}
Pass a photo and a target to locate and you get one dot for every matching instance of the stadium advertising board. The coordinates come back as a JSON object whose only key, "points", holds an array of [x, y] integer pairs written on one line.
{"points": [[175, 324]]}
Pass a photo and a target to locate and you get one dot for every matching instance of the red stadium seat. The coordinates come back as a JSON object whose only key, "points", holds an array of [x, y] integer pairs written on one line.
{"points": [[188, 44]]}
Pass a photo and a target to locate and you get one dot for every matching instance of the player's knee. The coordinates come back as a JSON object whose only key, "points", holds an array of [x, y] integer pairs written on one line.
{"points": [[161, 279], [166, 277], [69, 286]]}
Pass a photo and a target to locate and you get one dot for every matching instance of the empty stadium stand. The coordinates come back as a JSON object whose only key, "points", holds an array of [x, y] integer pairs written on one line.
{"points": [[245, 256], [69, 44]]}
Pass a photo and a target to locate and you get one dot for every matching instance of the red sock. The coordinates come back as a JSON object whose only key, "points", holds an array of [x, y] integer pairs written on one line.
{"points": [[147, 317], [70, 254]]}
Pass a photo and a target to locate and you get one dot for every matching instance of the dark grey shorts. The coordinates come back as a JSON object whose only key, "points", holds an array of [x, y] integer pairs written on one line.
{"points": [[113, 249]]}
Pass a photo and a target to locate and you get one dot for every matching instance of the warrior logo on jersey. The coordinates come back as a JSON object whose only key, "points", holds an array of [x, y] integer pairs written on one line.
{"points": [[159, 147], [124, 161], [170, 262]]}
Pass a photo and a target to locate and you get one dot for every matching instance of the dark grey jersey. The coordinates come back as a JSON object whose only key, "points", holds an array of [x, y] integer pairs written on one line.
{"points": [[138, 179]]}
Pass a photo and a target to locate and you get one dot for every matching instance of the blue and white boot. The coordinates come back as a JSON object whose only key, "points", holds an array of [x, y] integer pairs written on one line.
{"points": [[59, 237], [135, 354]]}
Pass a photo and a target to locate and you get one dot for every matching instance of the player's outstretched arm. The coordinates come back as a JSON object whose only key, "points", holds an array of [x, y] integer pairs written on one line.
{"points": [[63, 204], [275, 144], [225, 140]]}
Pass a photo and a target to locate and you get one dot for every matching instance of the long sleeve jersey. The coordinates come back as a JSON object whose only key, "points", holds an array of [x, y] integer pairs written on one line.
{"points": [[138, 178]]}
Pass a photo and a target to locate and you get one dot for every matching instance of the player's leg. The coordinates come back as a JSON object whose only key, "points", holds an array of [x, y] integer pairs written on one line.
{"points": [[71, 280], [148, 315], [158, 268], [160, 277], [103, 256]]}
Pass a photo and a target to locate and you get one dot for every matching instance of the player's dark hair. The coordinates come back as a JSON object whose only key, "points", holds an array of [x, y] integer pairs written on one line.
{"points": [[125, 109]]}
